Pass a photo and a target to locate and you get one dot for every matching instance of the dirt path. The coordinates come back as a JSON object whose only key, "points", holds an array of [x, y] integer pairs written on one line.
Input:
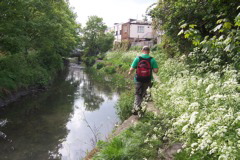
{"points": [[125, 125]]}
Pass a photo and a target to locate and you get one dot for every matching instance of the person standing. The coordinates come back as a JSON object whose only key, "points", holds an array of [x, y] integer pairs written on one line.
{"points": [[144, 66]]}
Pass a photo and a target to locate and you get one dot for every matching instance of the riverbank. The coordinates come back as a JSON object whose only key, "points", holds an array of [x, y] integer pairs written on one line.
{"points": [[193, 106], [14, 96], [22, 75]]}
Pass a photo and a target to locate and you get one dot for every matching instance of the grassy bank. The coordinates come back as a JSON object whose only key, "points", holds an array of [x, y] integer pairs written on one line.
{"points": [[114, 68], [198, 109]]}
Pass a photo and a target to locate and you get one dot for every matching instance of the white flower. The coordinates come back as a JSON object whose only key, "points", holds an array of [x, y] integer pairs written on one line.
{"points": [[155, 129], [194, 105], [216, 97], [193, 117], [194, 144], [179, 150], [184, 129], [146, 140], [150, 145], [209, 87], [154, 137], [200, 81]]}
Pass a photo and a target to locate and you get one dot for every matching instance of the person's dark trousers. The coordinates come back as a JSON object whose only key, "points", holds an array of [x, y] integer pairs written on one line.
{"points": [[140, 92]]}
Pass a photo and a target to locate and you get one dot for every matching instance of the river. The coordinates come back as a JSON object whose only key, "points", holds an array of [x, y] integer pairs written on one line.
{"points": [[63, 122]]}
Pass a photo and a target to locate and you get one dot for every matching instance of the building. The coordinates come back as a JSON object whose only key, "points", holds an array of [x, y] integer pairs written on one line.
{"points": [[138, 32], [118, 32]]}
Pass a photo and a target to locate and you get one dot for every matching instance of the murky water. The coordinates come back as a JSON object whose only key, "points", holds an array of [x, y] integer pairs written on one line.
{"points": [[62, 123]]}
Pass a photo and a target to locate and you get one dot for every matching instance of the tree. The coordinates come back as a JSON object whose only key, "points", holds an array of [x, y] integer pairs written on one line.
{"points": [[169, 15], [34, 35], [94, 37], [37, 25]]}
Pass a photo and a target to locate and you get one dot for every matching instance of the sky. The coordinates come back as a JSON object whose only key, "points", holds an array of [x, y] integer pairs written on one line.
{"points": [[112, 11]]}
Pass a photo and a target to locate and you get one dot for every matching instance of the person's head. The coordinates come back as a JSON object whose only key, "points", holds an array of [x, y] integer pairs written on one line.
{"points": [[146, 50]]}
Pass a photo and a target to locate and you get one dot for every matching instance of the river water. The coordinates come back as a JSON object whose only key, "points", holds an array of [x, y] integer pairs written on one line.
{"points": [[63, 122]]}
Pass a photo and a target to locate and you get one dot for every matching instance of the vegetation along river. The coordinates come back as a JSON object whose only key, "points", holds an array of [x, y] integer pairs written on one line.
{"points": [[63, 122]]}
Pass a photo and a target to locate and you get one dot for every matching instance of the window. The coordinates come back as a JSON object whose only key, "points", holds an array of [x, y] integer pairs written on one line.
{"points": [[140, 29]]}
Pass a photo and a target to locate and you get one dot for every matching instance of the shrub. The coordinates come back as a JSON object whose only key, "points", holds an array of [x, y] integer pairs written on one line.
{"points": [[100, 65], [88, 60], [138, 142], [125, 104], [201, 110], [110, 69]]}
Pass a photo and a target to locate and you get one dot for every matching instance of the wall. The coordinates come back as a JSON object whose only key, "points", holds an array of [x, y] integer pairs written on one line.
{"points": [[147, 31], [125, 31], [117, 32]]}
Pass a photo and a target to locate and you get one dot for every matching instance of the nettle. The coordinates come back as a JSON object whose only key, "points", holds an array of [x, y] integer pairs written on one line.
{"points": [[202, 112]]}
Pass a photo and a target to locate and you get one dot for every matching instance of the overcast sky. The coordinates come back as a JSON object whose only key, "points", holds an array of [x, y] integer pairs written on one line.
{"points": [[112, 11]]}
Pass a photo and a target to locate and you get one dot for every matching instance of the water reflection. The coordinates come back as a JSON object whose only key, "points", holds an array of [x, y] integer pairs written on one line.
{"points": [[62, 123]]}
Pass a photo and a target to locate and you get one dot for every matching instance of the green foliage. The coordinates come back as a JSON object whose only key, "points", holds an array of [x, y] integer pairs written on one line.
{"points": [[125, 104], [122, 46], [200, 110], [138, 142], [35, 25], [202, 15], [99, 65], [213, 53], [95, 41], [88, 60], [94, 37], [17, 71], [110, 69], [34, 36], [136, 48]]}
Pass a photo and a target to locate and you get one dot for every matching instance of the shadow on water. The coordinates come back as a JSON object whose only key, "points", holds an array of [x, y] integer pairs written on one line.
{"points": [[61, 123]]}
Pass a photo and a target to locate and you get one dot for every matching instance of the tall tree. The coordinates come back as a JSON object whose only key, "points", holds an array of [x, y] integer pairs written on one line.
{"points": [[37, 25], [94, 37]]}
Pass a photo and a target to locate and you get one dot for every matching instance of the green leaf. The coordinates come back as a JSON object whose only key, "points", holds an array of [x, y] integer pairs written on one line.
{"points": [[192, 25], [227, 25], [184, 25], [186, 35], [196, 42], [219, 21]]}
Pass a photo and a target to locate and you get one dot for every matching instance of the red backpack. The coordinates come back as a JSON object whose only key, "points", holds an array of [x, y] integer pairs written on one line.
{"points": [[144, 70]]}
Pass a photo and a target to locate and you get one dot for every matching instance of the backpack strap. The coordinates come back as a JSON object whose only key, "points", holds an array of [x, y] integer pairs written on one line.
{"points": [[148, 59]]}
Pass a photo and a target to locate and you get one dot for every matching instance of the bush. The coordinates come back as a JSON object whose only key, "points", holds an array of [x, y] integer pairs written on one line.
{"points": [[136, 48], [20, 71], [88, 60], [125, 104], [100, 65], [200, 110], [110, 69], [122, 46], [138, 142]]}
